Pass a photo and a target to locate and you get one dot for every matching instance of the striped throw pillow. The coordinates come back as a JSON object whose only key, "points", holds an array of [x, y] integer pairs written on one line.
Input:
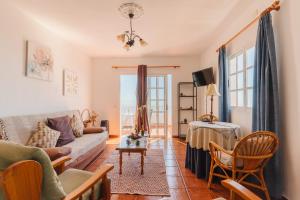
{"points": [[44, 137]]}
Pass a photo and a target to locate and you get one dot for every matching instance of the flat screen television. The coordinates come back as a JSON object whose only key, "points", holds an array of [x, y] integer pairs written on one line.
{"points": [[203, 77]]}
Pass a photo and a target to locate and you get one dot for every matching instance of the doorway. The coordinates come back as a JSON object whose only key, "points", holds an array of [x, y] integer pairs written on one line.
{"points": [[158, 105], [159, 94]]}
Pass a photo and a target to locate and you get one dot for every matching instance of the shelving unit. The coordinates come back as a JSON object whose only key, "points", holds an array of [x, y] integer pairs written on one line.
{"points": [[186, 106]]}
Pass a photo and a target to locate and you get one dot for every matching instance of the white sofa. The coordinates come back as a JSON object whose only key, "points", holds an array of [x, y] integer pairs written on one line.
{"points": [[84, 149]]}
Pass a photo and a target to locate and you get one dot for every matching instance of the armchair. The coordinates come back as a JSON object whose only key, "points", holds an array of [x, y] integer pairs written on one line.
{"points": [[34, 177], [248, 158]]}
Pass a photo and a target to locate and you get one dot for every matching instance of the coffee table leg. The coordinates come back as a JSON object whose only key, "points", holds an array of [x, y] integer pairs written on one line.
{"points": [[142, 162], [120, 169]]}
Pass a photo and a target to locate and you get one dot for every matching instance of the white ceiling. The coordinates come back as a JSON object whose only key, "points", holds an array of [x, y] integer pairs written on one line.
{"points": [[171, 27]]}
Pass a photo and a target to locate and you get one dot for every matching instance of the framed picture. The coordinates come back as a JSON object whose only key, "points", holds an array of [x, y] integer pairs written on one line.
{"points": [[39, 61], [71, 83]]}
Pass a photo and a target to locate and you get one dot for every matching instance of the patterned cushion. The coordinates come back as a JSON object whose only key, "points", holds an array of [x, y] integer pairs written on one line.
{"points": [[44, 137], [227, 159], [3, 135], [77, 126]]}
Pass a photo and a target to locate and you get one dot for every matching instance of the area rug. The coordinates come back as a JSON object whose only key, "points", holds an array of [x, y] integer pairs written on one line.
{"points": [[152, 182]]}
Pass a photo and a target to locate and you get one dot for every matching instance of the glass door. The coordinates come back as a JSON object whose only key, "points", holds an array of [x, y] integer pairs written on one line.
{"points": [[158, 105], [127, 103], [159, 98]]}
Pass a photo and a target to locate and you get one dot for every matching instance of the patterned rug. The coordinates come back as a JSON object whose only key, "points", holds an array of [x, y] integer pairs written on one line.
{"points": [[152, 182]]}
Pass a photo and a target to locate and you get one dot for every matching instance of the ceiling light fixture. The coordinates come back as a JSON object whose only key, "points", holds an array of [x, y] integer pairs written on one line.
{"points": [[131, 11]]}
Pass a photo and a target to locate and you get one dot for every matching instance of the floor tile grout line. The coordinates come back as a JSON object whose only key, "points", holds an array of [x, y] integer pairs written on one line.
{"points": [[185, 186]]}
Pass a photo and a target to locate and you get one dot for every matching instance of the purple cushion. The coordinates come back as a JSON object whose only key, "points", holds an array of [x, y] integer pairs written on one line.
{"points": [[62, 124]]}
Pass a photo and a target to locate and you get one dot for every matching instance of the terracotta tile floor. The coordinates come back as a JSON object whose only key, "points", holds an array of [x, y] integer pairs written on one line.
{"points": [[183, 184]]}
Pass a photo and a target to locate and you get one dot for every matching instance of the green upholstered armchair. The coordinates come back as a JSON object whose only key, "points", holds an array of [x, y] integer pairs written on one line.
{"points": [[26, 173]]}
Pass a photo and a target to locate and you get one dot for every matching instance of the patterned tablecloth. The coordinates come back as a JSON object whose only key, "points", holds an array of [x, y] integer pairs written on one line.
{"points": [[199, 134]]}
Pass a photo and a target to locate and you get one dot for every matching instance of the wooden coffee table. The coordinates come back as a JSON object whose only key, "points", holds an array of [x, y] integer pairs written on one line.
{"points": [[132, 148]]}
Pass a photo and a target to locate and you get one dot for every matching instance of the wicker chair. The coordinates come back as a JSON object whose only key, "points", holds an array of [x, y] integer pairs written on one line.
{"points": [[248, 158], [206, 118]]}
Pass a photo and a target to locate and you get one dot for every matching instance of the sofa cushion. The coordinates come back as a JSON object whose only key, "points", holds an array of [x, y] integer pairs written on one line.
{"points": [[11, 153], [3, 135], [62, 124], [73, 178], [77, 126], [44, 137], [85, 143], [57, 152]]}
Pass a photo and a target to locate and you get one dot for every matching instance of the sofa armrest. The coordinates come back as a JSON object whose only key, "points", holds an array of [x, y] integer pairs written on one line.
{"points": [[59, 164], [88, 184]]}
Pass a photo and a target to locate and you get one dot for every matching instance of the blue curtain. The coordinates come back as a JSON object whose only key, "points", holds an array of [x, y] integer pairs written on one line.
{"points": [[224, 110], [265, 113]]}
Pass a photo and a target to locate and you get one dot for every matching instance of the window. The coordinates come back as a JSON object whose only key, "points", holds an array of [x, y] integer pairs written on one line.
{"points": [[241, 67]]}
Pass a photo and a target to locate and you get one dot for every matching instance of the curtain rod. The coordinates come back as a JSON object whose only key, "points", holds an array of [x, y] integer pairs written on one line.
{"points": [[134, 67], [275, 6]]}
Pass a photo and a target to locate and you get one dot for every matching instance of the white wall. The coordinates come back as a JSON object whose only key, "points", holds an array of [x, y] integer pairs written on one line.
{"points": [[287, 31], [22, 95], [106, 83], [287, 28]]}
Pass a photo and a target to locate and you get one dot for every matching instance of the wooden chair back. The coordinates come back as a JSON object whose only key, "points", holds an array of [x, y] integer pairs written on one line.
{"points": [[206, 118], [22, 181], [255, 149]]}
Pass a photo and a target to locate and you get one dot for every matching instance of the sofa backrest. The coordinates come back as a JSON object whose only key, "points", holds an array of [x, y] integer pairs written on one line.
{"points": [[20, 128]]}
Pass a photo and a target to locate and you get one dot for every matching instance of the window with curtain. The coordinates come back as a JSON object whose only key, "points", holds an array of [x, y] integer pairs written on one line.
{"points": [[241, 67]]}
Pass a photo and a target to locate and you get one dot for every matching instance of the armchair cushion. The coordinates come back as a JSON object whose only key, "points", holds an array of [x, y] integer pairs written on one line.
{"points": [[227, 159], [73, 178], [11, 153]]}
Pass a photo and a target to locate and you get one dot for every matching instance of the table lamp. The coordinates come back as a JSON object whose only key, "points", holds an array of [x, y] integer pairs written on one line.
{"points": [[212, 91]]}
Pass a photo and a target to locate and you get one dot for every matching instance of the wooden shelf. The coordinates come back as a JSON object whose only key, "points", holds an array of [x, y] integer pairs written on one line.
{"points": [[186, 108], [187, 96]]}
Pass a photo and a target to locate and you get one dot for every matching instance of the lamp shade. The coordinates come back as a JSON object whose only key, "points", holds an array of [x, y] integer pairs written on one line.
{"points": [[212, 90], [121, 37], [143, 43]]}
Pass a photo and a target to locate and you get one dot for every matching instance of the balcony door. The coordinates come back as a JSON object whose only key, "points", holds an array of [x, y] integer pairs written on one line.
{"points": [[159, 99], [158, 105]]}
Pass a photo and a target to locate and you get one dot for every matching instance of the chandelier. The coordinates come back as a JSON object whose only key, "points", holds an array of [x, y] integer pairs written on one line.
{"points": [[128, 38]]}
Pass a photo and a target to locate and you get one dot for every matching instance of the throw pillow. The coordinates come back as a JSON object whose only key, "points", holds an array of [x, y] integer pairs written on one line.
{"points": [[77, 126], [93, 130], [44, 137], [57, 152], [3, 135], [62, 124]]}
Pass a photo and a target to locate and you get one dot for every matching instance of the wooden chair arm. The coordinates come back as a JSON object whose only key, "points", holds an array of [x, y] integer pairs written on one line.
{"points": [[240, 190], [59, 163], [88, 184]]}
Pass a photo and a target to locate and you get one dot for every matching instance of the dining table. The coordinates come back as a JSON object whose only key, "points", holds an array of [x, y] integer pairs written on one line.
{"points": [[199, 134]]}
